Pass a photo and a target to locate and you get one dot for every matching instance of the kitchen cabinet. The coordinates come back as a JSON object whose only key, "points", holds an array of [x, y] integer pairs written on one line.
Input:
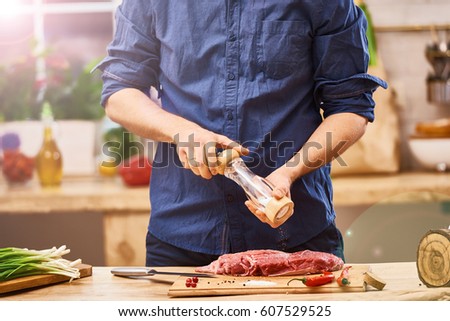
{"points": [[125, 211]]}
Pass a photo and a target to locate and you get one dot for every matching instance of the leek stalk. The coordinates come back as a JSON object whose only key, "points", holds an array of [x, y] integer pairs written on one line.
{"points": [[17, 262]]}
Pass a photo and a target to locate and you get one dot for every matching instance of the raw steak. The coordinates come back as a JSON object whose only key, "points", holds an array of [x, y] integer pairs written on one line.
{"points": [[273, 263]]}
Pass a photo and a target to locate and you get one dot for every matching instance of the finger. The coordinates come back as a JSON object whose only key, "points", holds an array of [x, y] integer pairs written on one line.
{"points": [[227, 143], [210, 157], [250, 206], [260, 215], [193, 166], [204, 171], [189, 162], [279, 193], [183, 159], [200, 165], [242, 150], [188, 159], [280, 188]]}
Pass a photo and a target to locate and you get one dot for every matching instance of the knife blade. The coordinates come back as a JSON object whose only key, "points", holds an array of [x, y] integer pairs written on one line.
{"points": [[143, 271]]}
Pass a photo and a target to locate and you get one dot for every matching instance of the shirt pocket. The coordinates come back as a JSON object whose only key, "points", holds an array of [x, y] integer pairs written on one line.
{"points": [[281, 47]]}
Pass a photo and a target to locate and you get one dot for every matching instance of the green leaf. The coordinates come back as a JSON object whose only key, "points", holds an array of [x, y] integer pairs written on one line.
{"points": [[370, 33]]}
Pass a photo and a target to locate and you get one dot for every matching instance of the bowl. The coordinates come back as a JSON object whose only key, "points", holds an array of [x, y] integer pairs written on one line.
{"points": [[431, 153], [434, 128]]}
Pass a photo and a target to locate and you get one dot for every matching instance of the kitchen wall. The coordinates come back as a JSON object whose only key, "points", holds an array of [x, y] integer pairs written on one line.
{"points": [[388, 231], [403, 55], [391, 231]]}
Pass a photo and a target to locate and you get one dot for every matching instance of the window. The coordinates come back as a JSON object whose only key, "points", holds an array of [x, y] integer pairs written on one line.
{"points": [[75, 32], [79, 29]]}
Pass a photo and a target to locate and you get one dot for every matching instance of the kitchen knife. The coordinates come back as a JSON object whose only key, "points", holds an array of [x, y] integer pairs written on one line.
{"points": [[143, 271]]}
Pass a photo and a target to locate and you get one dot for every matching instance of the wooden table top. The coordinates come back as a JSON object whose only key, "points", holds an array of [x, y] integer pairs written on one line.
{"points": [[402, 283]]}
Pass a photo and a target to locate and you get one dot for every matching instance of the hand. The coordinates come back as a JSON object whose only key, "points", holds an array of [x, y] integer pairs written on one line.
{"points": [[282, 182], [196, 148]]}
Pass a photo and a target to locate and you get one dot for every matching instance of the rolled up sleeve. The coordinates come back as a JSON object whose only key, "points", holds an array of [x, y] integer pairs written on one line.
{"points": [[133, 54], [342, 84]]}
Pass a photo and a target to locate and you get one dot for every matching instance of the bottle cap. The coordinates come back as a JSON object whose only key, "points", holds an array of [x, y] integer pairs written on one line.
{"points": [[46, 112], [224, 158], [278, 211]]}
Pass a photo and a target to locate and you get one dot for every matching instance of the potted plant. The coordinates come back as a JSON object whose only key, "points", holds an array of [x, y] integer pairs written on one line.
{"points": [[74, 96], [77, 111], [19, 89], [75, 100]]}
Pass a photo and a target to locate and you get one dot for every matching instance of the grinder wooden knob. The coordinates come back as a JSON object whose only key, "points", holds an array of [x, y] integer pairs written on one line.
{"points": [[224, 158], [433, 258], [278, 211]]}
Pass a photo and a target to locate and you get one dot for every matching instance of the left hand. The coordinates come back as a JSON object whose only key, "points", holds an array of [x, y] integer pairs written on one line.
{"points": [[282, 183]]}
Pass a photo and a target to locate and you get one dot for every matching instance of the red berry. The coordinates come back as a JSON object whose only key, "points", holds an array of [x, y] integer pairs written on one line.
{"points": [[193, 285], [195, 279]]}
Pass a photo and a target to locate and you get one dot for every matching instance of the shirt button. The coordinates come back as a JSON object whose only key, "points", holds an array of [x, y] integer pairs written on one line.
{"points": [[230, 198], [232, 37], [230, 116], [231, 76]]}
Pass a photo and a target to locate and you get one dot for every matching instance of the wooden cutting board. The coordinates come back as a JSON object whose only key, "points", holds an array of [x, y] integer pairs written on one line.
{"points": [[29, 282], [229, 285]]}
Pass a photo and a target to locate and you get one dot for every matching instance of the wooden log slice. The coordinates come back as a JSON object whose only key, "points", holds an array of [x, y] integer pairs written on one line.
{"points": [[433, 258], [374, 280]]}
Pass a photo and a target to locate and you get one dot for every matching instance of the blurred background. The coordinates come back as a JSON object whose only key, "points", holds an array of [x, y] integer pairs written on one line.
{"points": [[393, 187]]}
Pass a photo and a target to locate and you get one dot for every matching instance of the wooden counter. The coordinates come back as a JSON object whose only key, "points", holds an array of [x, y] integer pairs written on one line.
{"points": [[125, 211], [83, 194], [402, 283], [97, 194], [398, 188]]}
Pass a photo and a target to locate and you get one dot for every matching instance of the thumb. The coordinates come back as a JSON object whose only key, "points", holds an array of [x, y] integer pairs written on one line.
{"points": [[227, 143], [278, 193]]}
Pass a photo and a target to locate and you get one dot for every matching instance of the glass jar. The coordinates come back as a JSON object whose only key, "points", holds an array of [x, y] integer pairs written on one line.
{"points": [[258, 190]]}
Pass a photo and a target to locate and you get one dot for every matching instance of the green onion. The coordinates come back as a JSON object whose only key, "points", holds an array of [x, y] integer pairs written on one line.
{"points": [[16, 262]]}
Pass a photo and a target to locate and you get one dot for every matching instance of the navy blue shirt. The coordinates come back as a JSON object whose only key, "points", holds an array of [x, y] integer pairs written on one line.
{"points": [[258, 72]]}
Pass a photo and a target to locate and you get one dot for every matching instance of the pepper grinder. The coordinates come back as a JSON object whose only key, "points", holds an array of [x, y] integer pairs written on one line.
{"points": [[257, 189]]}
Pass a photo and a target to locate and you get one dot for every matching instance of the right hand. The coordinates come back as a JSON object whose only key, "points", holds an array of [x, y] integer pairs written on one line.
{"points": [[196, 149]]}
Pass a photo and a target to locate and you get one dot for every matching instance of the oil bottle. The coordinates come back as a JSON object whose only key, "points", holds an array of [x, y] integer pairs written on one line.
{"points": [[49, 163], [257, 189]]}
